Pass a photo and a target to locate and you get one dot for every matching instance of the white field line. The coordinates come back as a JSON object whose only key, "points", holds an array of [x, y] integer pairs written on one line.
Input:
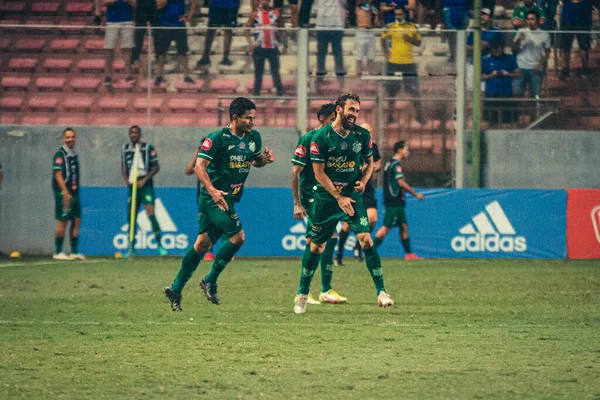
{"points": [[237, 324], [28, 264]]}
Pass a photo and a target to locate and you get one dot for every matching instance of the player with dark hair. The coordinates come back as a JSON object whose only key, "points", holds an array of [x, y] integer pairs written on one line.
{"points": [[394, 186], [147, 167], [223, 164], [336, 151], [302, 181], [65, 184]]}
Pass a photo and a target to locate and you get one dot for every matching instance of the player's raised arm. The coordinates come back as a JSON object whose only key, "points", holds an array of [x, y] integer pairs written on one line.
{"points": [[189, 168]]}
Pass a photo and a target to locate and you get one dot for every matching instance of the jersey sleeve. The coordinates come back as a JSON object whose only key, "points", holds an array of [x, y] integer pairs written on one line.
{"points": [[301, 155], [58, 162], [318, 149], [397, 172], [258, 143], [209, 147], [367, 145], [153, 155]]}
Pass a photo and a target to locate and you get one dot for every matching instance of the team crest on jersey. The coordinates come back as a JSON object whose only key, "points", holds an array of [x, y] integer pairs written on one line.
{"points": [[356, 147], [207, 144], [252, 146], [59, 161], [344, 146], [314, 148], [242, 146], [153, 153], [370, 143], [300, 151], [398, 169]]}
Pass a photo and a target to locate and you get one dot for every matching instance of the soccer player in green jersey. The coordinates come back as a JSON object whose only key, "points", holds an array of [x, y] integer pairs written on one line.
{"points": [[146, 170], [394, 186], [223, 164], [336, 151], [302, 181], [65, 184]]}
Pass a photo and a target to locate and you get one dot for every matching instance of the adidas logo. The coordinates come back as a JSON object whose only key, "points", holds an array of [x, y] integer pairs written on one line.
{"points": [[144, 238], [490, 231], [296, 239]]}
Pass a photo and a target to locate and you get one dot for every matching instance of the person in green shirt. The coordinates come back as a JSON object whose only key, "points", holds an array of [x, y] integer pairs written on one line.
{"points": [[394, 187], [224, 162], [302, 181], [67, 207], [147, 167], [519, 17], [336, 151]]}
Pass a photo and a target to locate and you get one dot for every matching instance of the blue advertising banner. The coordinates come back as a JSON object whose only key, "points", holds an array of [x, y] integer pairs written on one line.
{"points": [[467, 223]]}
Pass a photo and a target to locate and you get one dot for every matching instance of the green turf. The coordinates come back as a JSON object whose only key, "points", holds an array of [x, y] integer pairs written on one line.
{"points": [[460, 329]]}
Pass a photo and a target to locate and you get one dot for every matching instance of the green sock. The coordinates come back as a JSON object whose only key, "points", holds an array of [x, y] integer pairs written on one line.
{"points": [[374, 267], [377, 242], [310, 262], [406, 245], [327, 265], [155, 229], [188, 265], [222, 258], [74, 245], [58, 243]]}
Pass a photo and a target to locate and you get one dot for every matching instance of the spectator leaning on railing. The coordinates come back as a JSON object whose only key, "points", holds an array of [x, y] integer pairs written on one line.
{"points": [[576, 15], [119, 29], [264, 46], [533, 47], [331, 19], [519, 17]]}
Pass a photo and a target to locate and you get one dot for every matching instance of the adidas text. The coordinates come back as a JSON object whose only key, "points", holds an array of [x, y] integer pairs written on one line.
{"points": [[145, 240], [490, 242]]}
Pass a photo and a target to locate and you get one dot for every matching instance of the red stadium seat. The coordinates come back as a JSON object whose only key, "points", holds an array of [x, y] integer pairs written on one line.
{"points": [[57, 64], [94, 45], [289, 86], [70, 119], [11, 21], [22, 64], [79, 8], [267, 86], [118, 103], [91, 65], [37, 26], [224, 85], [179, 120], [78, 103], [4, 44], [13, 7], [122, 85], [64, 45], [15, 82], [119, 65], [7, 118], [11, 103], [85, 84], [183, 87], [50, 84], [43, 103], [329, 87], [182, 105], [162, 88], [30, 45], [36, 119], [73, 26], [48, 8], [142, 104], [105, 119]]}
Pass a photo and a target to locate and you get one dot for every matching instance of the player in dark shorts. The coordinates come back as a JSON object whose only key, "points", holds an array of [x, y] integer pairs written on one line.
{"points": [[67, 207], [370, 205], [394, 187], [336, 151], [223, 165]]}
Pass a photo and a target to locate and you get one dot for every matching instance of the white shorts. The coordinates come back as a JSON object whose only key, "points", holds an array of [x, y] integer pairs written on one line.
{"points": [[365, 44], [121, 32]]}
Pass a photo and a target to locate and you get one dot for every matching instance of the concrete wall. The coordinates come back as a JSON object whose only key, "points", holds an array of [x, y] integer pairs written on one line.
{"points": [[541, 159], [26, 202]]}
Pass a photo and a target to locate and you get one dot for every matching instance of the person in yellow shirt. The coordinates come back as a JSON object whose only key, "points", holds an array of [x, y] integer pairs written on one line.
{"points": [[399, 55]]}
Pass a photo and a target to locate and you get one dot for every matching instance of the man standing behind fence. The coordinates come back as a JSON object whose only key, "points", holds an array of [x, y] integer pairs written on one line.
{"points": [[119, 28], [264, 46]]}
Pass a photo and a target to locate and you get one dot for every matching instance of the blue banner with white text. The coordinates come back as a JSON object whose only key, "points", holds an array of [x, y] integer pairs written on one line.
{"points": [[448, 223]]}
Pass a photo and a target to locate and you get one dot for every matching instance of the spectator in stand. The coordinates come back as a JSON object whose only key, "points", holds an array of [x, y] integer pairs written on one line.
{"points": [[404, 36], [97, 12], [278, 6], [119, 28], [519, 17], [456, 16], [576, 15], [533, 47], [366, 19], [264, 46], [388, 7], [489, 32], [221, 14], [331, 20], [498, 72], [173, 17], [145, 12]]}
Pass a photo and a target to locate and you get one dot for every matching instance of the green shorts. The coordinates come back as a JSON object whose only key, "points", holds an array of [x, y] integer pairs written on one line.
{"points": [[74, 210], [216, 222], [144, 195], [327, 214], [394, 216], [309, 207]]}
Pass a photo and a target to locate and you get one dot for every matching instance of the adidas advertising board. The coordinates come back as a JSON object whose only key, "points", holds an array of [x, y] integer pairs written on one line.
{"points": [[449, 223]]}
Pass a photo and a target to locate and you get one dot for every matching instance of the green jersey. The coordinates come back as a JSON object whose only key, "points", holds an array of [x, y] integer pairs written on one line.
{"points": [[521, 12], [230, 159], [342, 157], [149, 159], [301, 157], [67, 162], [393, 194]]}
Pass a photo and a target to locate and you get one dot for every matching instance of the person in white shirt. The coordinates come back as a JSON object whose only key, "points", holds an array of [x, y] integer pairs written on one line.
{"points": [[331, 20], [533, 47]]}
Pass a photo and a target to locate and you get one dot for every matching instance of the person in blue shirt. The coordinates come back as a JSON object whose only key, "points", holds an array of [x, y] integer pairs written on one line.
{"points": [[172, 15], [456, 16], [576, 15], [489, 32], [498, 72]]}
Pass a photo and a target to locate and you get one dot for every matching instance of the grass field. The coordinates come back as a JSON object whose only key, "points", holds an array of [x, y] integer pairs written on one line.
{"points": [[460, 329]]}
